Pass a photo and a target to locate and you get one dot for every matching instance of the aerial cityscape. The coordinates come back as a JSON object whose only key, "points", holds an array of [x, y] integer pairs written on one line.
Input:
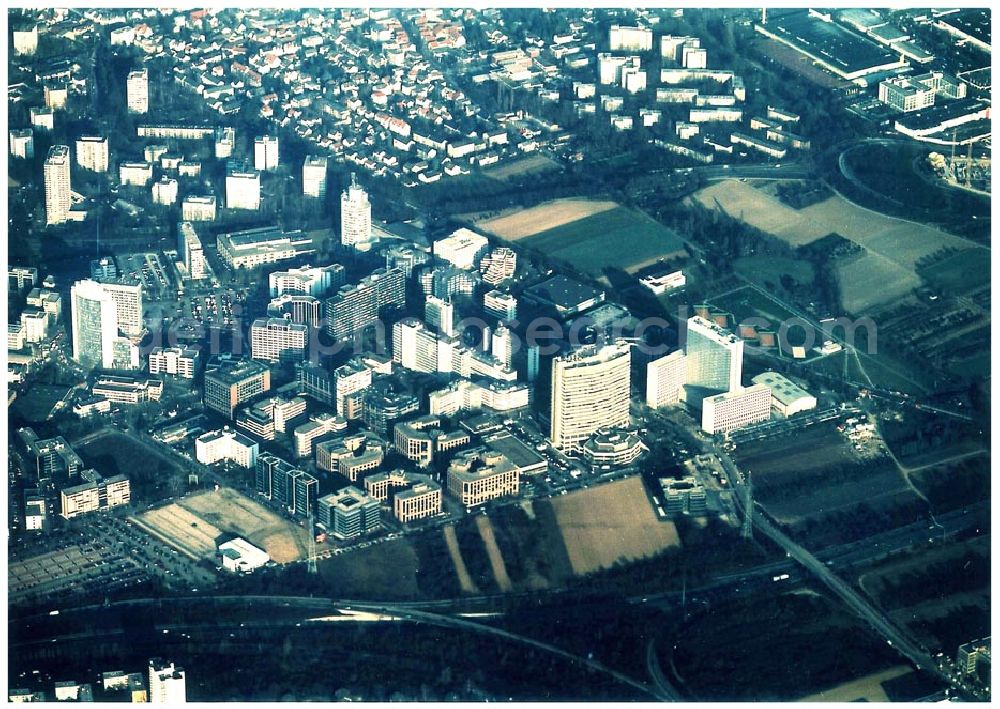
{"points": [[512, 354]]}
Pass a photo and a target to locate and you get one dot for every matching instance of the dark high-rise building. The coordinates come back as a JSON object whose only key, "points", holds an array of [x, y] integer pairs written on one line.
{"points": [[357, 306]]}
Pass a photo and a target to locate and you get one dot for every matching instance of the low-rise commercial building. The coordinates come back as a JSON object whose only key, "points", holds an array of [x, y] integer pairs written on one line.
{"points": [[613, 448], [179, 361], [127, 390], [349, 513], [729, 411], [787, 397], [480, 475], [95, 494], [319, 425], [240, 556], [226, 444]]}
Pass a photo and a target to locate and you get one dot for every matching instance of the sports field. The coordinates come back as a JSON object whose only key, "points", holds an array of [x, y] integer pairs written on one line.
{"points": [[193, 524], [611, 522], [528, 222]]}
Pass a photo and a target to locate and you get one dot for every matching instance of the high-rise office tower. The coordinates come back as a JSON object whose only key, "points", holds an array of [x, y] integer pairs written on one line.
{"points": [[714, 360], [137, 91], [242, 187], [502, 345], [440, 315], [94, 321], [278, 340], [265, 152], [166, 683], [665, 379], [190, 249], [128, 307], [56, 176], [22, 143], [92, 153], [590, 389], [355, 215], [225, 141], [314, 176]]}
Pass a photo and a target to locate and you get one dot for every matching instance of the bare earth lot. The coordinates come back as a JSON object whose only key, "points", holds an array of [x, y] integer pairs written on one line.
{"points": [[545, 216], [883, 274], [609, 522], [193, 524], [464, 579], [867, 688], [524, 166]]}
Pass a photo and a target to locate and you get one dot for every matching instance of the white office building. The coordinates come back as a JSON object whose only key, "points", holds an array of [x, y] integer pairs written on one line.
{"points": [[26, 40], [590, 389], [265, 153], [314, 176], [226, 444], [463, 249], [197, 208], [128, 307], [22, 143], [135, 174], [165, 191], [355, 216], [173, 360], [714, 360], [440, 315], [242, 188], [278, 340], [729, 411], [225, 141], [92, 153], [307, 280], [787, 397], [57, 187], [665, 379], [94, 322], [630, 39], [191, 252], [137, 91]]}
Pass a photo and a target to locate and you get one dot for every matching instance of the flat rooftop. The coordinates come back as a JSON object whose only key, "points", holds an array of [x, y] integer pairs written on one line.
{"points": [[563, 292], [835, 44]]}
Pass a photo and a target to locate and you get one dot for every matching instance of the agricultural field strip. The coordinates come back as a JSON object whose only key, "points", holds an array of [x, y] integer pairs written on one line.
{"points": [[493, 551], [535, 220], [451, 539]]}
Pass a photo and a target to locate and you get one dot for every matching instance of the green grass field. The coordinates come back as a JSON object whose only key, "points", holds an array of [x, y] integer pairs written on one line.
{"points": [[762, 269], [617, 238], [960, 273]]}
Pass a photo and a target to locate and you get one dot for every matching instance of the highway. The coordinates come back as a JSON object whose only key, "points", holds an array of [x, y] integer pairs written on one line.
{"points": [[854, 600], [318, 609]]}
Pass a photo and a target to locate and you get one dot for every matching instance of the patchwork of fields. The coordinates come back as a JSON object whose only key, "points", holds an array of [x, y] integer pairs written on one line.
{"points": [[886, 272], [589, 235]]}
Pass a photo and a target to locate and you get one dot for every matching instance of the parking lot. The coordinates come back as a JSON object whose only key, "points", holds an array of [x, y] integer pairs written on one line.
{"points": [[144, 269]]}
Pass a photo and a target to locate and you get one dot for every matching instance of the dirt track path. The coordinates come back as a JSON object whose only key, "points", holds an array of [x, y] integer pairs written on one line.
{"points": [[468, 585], [496, 558]]}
